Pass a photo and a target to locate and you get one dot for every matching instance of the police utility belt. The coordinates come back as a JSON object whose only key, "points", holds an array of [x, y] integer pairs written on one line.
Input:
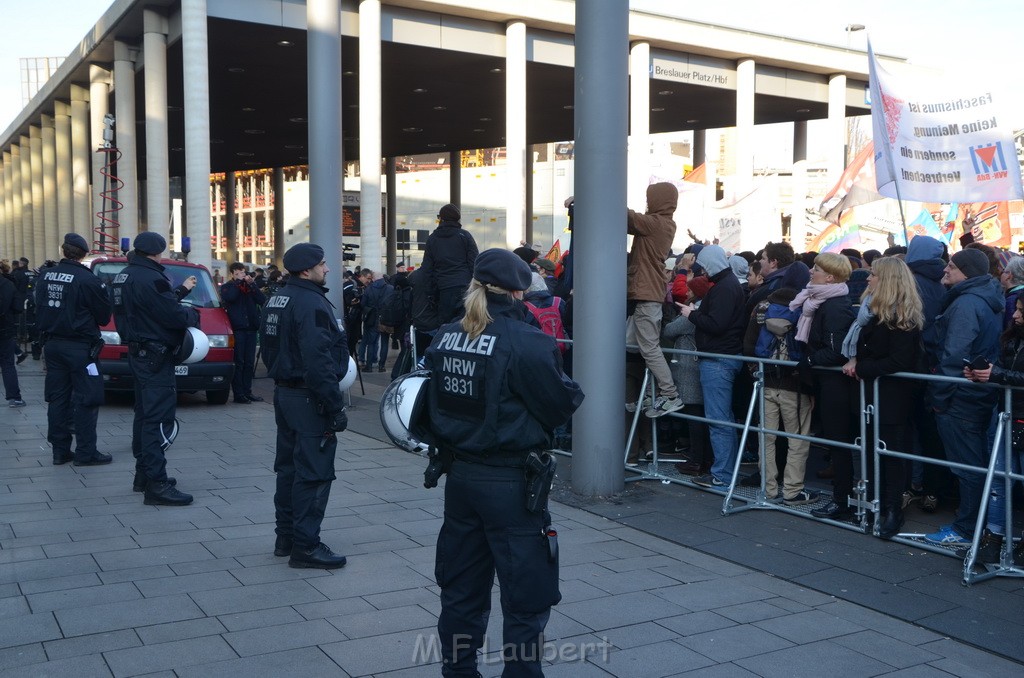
{"points": [[143, 348]]}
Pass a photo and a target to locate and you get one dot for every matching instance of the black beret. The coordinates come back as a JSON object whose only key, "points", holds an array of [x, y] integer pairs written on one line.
{"points": [[503, 269], [76, 240], [150, 242], [303, 257], [527, 254], [449, 213]]}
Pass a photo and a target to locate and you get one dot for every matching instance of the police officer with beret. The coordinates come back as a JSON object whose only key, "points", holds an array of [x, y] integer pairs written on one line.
{"points": [[71, 304], [496, 393], [307, 355], [152, 322]]}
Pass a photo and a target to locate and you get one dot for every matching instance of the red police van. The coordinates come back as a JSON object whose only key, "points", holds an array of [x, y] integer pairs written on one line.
{"points": [[213, 374]]}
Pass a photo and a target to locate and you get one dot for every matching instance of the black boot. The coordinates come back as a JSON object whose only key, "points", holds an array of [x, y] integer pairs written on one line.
{"points": [[140, 480], [892, 522], [319, 557], [97, 459], [165, 494], [990, 548], [282, 546], [59, 459]]}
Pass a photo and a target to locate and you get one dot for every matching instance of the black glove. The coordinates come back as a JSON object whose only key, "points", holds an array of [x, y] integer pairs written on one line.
{"points": [[339, 422]]}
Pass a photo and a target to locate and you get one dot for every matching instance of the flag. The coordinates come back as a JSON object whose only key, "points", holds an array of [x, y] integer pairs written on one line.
{"points": [[698, 175], [855, 187], [925, 224], [940, 140], [836, 237]]}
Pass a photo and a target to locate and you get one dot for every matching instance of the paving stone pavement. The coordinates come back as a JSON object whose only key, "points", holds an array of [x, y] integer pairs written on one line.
{"points": [[94, 583]]}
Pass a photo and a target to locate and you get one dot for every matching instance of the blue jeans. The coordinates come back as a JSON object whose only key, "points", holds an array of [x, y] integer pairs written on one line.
{"points": [[374, 343], [996, 522], [966, 442], [716, 378], [10, 374]]}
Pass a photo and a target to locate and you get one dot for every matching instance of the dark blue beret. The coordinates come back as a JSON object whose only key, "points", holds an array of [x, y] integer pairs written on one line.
{"points": [[503, 269], [303, 257], [150, 242], [76, 240]]}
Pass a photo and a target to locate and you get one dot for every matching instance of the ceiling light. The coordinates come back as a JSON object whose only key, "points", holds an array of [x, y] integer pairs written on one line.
{"points": [[236, 69], [348, 72], [285, 43], [174, 108], [435, 145], [440, 108], [419, 90], [255, 131], [692, 120], [412, 129], [293, 147], [479, 129], [495, 70], [250, 162], [665, 92], [569, 107], [485, 119], [248, 109], [244, 154], [657, 109], [803, 110], [177, 150], [297, 119]]}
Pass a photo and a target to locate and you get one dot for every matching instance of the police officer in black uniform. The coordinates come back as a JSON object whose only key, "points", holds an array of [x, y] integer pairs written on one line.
{"points": [[152, 322], [306, 355], [71, 304], [497, 391]]}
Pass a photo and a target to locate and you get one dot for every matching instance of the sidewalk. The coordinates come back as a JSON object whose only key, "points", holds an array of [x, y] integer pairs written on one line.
{"points": [[94, 583]]}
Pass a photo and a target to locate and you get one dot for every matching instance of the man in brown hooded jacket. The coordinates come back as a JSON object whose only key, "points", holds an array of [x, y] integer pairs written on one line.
{"points": [[652, 234]]}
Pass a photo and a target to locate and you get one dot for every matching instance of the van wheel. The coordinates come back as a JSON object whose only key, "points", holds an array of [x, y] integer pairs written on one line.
{"points": [[217, 397]]}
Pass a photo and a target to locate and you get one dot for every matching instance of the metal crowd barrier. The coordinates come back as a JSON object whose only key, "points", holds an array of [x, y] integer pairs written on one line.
{"points": [[755, 498]]}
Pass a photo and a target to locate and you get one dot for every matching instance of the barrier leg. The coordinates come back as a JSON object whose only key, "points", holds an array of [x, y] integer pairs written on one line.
{"points": [[727, 506], [970, 576]]}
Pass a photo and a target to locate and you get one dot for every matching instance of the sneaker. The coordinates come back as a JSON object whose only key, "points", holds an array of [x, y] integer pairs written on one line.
{"points": [[802, 497], [834, 511], [21, 357], [663, 406], [631, 406], [708, 480], [990, 547], [16, 402], [930, 503], [947, 536]]}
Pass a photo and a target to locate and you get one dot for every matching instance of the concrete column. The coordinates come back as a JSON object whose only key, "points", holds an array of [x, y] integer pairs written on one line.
{"points": [[18, 232], [278, 215], [158, 198], [323, 79], [63, 171], [391, 218], [39, 248], [369, 135], [196, 69], [230, 218], [81, 162], [54, 236], [28, 236], [515, 132], [744, 127], [528, 198], [835, 155], [125, 139], [798, 220], [455, 178], [8, 206], [601, 129], [99, 107], [799, 140], [699, 150], [639, 125]]}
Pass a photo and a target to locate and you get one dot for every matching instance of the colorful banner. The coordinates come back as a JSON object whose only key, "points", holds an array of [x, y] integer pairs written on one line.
{"points": [[855, 187], [940, 140], [987, 222], [836, 237]]}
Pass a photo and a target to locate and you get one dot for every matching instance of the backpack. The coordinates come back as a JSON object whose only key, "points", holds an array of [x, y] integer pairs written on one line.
{"points": [[777, 338], [550, 321], [373, 297], [394, 308]]}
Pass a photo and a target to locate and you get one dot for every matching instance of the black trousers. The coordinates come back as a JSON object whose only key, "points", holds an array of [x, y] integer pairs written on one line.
{"points": [[156, 399], [839, 404], [64, 388], [245, 362], [304, 465], [488, 530]]}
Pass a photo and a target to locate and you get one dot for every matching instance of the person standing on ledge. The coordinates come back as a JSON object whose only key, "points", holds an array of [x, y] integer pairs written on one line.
{"points": [[448, 259]]}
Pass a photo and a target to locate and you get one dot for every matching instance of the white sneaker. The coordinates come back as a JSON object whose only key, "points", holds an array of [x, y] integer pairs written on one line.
{"points": [[663, 406], [631, 405]]}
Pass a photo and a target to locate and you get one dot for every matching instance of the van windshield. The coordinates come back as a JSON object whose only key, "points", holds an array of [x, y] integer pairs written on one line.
{"points": [[204, 295]]}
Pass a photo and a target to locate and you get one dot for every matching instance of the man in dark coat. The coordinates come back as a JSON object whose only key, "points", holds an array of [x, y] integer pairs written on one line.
{"points": [[448, 260], [243, 299]]}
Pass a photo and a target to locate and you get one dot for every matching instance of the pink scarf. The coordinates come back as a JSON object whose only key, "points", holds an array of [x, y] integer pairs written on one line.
{"points": [[811, 297]]}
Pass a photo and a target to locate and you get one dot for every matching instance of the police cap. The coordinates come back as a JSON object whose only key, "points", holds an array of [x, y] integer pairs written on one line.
{"points": [[503, 269], [302, 257], [76, 240], [150, 242]]}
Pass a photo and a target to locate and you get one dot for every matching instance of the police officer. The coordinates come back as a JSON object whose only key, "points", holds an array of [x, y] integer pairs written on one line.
{"points": [[497, 391], [71, 304], [306, 355], [152, 322]]}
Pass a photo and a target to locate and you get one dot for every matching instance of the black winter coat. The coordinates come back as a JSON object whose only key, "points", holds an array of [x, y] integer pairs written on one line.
{"points": [[883, 350], [720, 318], [449, 256], [1010, 370]]}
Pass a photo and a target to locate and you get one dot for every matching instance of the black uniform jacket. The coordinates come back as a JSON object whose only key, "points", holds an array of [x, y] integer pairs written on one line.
{"points": [[502, 392], [71, 302], [301, 341], [145, 306]]}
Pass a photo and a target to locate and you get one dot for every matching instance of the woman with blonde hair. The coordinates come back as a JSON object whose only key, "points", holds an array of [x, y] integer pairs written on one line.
{"points": [[825, 316], [885, 339]]}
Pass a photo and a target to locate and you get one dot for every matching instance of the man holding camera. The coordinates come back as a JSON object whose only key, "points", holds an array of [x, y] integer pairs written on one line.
{"points": [[306, 354], [243, 299]]}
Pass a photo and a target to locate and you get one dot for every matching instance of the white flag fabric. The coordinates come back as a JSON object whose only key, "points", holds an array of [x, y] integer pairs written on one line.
{"points": [[940, 140]]}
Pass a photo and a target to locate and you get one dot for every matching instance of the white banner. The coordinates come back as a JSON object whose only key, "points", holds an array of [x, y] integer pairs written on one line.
{"points": [[940, 140]]}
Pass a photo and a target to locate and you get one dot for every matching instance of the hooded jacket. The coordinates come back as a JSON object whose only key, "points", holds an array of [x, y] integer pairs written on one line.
{"points": [[449, 255], [924, 257], [968, 326], [720, 319], [652, 233]]}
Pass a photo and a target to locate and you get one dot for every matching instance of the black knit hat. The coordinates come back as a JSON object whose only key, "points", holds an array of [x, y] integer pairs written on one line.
{"points": [[449, 213], [503, 269], [971, 262]]}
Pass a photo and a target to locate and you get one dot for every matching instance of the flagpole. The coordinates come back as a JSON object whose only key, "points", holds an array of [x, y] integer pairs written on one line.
{"points": [[903, 218]]}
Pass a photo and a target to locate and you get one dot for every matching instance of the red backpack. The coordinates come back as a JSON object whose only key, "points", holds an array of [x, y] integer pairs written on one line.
{"points": [[550, 320]]}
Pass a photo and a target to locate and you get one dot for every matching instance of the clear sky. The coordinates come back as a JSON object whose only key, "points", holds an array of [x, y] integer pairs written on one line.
{"points": [[976, 37]]}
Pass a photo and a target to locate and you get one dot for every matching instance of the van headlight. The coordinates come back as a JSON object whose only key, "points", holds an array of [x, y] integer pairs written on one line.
{"points": [[110, 337], [218, 341]]}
